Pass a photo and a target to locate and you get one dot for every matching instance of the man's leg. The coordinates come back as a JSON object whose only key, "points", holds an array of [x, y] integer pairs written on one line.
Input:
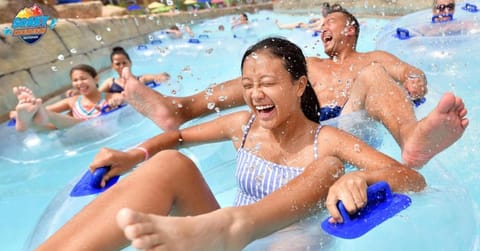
{"points": [[388, 103]]}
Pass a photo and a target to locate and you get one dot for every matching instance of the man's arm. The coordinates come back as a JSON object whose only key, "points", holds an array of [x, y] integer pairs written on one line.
{"points": [[412, 78]]}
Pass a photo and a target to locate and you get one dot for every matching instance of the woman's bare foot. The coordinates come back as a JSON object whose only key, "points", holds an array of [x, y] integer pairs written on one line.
{"points": [[198, 233], [440, 129], [160, 109], [25, 111], [22, 92]]}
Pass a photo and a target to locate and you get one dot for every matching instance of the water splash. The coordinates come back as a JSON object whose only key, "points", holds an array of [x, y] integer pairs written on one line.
{"points": [[210, 105]]}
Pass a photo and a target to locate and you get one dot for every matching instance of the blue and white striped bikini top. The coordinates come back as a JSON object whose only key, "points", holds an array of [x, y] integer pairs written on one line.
{"points": [[257, 177]]}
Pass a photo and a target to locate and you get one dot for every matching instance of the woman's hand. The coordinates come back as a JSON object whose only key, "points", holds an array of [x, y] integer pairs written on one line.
{"points": [[162, 77], [115, 100], [351, 189], [119, 162]]}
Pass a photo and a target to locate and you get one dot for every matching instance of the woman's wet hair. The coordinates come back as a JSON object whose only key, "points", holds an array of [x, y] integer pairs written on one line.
{"points": [[296, 64], [85, 68], [119, 51]]}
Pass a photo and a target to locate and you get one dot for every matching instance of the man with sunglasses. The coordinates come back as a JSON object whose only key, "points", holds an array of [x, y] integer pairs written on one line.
{"points": [[443, 10]]}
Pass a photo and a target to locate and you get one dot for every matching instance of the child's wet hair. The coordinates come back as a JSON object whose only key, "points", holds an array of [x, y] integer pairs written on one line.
{"points": [[119, 51], [85, 68], [296, 64]]}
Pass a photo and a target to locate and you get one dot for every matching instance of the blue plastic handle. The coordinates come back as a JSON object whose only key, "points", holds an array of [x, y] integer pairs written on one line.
{"points": [[403, 33], [470, 7], [107, 109], [156, 41], [194, 41], [12, 122], [90, 183], [376, 194], [142, 47], [98, 175], [382, 204], [151, 84]]}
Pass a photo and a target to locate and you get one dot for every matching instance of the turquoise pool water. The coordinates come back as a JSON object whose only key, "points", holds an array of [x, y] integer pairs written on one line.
{"points": [[34, 168]]}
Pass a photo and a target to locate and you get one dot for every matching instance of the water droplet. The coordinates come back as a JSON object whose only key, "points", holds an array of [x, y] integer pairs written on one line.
{"points": [[244, 128], [294, 207], [222, 98], [98, 37], [210, 105], [356, 148], [186, 69], [150, 37], [73, 50], [217, 109], [61, 57], [209, 91], [54, 68], [150, 18], [179, 105], [109, 29], [173, 92]]}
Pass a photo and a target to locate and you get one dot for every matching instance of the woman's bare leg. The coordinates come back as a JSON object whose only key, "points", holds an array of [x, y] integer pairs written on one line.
{"points": [[25, 111], [167, 182], [169, 112]]}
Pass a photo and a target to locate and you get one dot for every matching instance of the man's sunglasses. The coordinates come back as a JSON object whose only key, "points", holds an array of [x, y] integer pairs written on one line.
{"points": [[442, 7]]}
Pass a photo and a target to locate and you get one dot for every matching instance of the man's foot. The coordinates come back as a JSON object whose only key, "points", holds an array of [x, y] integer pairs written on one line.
{"points": [[148, 231], [440, 129], [160, 109]]}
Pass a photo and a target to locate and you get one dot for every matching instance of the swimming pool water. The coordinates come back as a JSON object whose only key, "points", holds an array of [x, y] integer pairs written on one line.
{"points": [[34, 171]]}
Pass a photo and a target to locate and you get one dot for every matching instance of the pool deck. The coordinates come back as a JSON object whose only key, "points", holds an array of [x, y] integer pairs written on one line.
{"points": [[44, 66]]}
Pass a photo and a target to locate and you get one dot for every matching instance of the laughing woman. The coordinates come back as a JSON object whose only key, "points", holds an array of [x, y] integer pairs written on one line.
{"points": [[284, 159]]}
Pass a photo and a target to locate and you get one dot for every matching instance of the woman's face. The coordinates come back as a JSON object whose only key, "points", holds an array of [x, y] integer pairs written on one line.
{"points": [[269, 89], [444, 8], [83, 82], [120, 61]]}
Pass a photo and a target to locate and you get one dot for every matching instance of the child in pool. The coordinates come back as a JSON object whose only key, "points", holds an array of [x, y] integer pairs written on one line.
{"points": [[30, 112]]}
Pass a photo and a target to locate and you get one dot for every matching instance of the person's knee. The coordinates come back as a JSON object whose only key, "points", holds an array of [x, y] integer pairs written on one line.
{"points": [[173, 159], [172, 155], [373, 72]]}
